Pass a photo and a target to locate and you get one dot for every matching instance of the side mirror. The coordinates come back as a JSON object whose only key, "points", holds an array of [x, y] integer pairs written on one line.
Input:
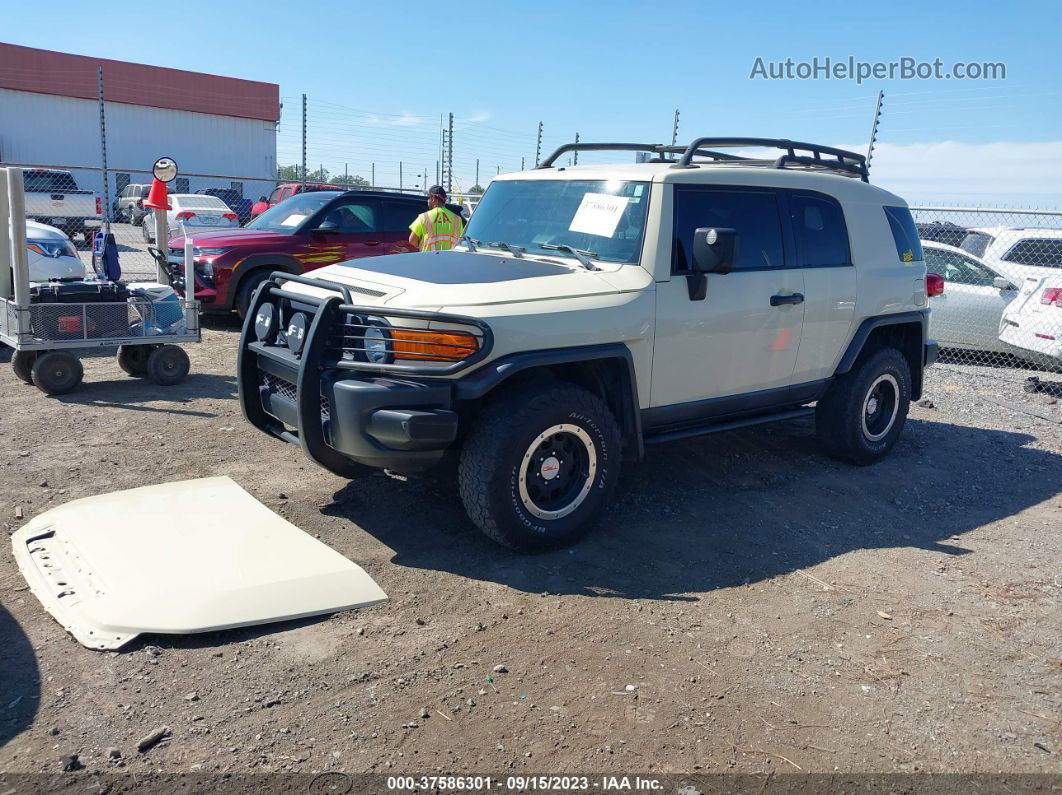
{"points": [[714, 249], [1003, 284]]}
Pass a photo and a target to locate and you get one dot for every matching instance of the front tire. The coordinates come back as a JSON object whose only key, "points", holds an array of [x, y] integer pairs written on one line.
{"points": [[540, 465], [862, 414], [245, 291], [57, 372], [167, 365]]}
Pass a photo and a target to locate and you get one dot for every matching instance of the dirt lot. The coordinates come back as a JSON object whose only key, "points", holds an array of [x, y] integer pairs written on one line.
{"points": [[747, 604]]}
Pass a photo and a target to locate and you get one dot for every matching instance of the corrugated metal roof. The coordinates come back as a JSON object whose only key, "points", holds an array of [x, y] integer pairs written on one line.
{"points": [[66, 75]]}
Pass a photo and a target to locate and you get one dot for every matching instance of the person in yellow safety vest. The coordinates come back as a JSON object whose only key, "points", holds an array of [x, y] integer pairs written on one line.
{"points": [[438, 229]]}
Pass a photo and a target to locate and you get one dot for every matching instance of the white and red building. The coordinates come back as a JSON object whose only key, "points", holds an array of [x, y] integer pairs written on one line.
{"points": [[220, 130]]}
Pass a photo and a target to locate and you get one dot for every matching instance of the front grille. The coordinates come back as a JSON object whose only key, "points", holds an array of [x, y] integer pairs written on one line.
{"points": [[286, 389]]}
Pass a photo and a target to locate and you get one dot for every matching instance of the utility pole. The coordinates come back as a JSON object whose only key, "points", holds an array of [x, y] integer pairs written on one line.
{"points": [[499, 170], [103, 155], [400, 175], [346, 175], [303, 137], [372, 182], [674, 128], [477, 171], [538, 146], [575, 157], [874, 127], [450, 156], [522, 167], [438, 178]]}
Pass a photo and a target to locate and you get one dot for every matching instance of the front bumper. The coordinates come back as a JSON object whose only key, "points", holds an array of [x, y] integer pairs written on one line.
{"points": [[205, 292], [385, 417], [386, 423]]}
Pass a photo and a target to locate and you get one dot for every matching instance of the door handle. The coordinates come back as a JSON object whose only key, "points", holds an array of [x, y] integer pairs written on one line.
{"points": [[779, 300], [372, 242]]}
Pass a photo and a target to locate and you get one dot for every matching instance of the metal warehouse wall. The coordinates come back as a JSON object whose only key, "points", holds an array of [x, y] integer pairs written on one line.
{"points": [[63, 131]]}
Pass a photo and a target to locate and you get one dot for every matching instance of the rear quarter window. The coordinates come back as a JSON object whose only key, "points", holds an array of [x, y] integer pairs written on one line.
{"points": [[904, 234]]}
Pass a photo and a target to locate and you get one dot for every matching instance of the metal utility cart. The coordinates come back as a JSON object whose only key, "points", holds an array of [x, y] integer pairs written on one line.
{"points": [[47, 337]]}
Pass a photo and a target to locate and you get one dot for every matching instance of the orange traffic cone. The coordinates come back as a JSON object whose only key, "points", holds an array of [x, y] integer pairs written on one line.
{"points": [[156, 199]]}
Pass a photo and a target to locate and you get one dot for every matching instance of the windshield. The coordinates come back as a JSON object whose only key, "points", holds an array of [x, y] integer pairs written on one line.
{"points": [[605, 218], [200, 203], [287, 216], [976, 243]]}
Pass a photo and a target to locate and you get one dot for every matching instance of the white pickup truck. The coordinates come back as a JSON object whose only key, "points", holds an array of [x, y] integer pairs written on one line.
{"points": [[53, 197]]}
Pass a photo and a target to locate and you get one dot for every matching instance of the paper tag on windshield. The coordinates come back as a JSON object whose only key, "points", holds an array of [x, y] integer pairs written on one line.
{"points": [[598, 214], [293, 220]]}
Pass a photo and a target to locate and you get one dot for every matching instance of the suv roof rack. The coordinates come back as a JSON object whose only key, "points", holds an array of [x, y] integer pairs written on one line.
{"points": [[838, 160]]}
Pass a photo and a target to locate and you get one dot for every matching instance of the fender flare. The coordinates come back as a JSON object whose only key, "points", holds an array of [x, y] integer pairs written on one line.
{"points": [[859, 339], [491, 375]]}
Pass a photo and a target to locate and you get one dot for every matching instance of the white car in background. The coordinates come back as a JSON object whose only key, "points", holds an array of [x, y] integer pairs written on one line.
{"points": [[52, 255], [1033, 321], [967, 314], [1018, 253], [191, 213]]}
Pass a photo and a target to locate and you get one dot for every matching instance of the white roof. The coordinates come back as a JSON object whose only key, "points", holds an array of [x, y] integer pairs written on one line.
{"points": [[719, 173], [1015, 232]]}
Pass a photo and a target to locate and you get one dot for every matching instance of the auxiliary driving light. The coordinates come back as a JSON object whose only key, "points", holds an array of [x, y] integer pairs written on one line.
{"points": [[296, 333], [265, 322]]}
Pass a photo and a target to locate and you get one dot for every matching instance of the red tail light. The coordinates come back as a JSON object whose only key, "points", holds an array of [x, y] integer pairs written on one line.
{"points": [[934, 284], [99, 206], [184, 215], [1052, 295], [229, 216]]}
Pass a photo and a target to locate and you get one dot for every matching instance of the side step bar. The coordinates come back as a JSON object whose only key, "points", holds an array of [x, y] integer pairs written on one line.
{"points": [[729, 425]]}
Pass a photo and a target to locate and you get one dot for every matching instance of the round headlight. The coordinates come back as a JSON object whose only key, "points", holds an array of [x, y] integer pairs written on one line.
{"points": [[377, 343], [265, 322], [296, 333]]}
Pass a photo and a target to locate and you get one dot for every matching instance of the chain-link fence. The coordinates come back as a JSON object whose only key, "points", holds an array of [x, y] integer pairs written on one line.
{"points": [[1002, 301]]}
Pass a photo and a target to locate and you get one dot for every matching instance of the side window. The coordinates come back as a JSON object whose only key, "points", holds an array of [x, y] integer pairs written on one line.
{"points": [[820, 231], [752, 214], [181, 185], [1041, 253], [957, 269], [904, 234], [397, 216], [351, 217]]}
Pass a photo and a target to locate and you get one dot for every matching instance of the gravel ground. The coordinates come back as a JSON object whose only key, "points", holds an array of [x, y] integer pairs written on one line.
{"points": [[747, 604]]}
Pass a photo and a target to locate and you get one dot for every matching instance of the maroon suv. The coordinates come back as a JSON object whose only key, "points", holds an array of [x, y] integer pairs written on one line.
{"points": [[307, 231]]}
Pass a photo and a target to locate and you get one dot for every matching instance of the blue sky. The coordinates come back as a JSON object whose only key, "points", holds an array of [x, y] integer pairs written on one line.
{"points": [[379, 75]]}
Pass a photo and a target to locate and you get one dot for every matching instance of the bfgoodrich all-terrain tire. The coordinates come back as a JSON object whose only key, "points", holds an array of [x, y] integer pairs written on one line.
{"points": [[863, 412], [540, 464]]}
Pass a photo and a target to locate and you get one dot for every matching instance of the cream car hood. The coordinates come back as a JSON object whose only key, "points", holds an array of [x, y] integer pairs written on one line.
{"points": [[460, 278], [184, 557]]}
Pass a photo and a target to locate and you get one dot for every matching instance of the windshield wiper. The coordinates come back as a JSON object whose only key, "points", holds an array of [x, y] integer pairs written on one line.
{"points": [[583, 255], [471, 242], [516, 251]]}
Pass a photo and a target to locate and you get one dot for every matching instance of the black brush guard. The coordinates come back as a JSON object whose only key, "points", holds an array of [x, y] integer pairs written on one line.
{"points": [[376, 399]]}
